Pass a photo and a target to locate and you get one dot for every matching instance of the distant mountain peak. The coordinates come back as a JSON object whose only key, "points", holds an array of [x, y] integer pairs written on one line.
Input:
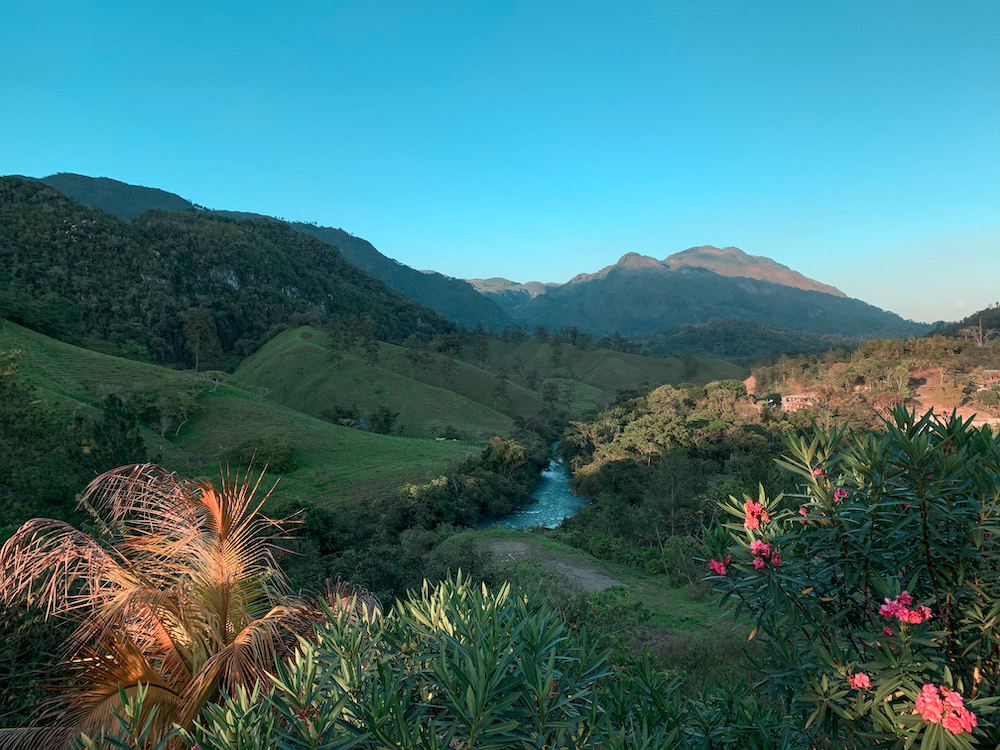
{"points": [[636, 261], [733, 262]]}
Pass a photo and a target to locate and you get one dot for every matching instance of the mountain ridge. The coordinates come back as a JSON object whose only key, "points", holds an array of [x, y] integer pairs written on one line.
{"points": [[454, 299]]}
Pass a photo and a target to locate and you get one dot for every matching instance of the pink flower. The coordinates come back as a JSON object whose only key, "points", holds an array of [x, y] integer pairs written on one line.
{"points": [[755, 515], [859, 681], [758, 563], [929, 704], [803, 511], [840, 494], [946, 707], [717, 567], [817, 472], [898, 608], [776, 559], [886, 630], [762, 549]]}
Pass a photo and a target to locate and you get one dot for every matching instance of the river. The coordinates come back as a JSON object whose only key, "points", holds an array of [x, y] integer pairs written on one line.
{"points": [[555, 502]]}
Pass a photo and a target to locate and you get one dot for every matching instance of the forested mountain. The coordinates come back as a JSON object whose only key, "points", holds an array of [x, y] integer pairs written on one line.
{"points": [[179, 287], [455, 299], [639, 294], [114, 197], [739, 341]]}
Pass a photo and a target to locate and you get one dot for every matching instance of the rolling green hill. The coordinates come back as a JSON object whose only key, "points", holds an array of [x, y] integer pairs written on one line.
{"points": [[335, 463], [604, 370], [296, 369], [299, 370]]}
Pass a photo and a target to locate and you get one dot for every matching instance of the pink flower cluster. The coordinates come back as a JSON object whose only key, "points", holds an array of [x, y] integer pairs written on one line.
{"points": [[755, 515], [944, 706], [763, 551], [859, 681], [840, 494], [719, 567], [899, 608]]}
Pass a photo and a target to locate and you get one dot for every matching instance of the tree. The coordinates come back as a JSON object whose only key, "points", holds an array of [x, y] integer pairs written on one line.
{"points": [[500, 388], [550, 394], [449, 366], [370, 350], [177, 591], [481, 349], [383, 420], [115, 436], [556, 357], [202, 339], [417, 352]]}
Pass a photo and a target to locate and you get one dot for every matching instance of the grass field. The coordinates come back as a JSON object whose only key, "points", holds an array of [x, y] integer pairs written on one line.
{"points": [[335, 463]]}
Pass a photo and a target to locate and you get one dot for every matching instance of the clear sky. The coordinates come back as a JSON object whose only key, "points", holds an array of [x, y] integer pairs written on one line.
{"points": [[857, 142]]}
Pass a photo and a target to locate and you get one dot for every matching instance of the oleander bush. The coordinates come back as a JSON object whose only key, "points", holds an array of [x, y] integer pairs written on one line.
{"points": [[460, 666], [877, 588]]}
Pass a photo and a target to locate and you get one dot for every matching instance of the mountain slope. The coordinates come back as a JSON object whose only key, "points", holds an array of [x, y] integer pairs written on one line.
{"points": [[642, 295], [455, 299], [731, 261], [114, 197], [132, 287]]}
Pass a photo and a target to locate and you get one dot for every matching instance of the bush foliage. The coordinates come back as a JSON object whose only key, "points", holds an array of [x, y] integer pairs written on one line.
{"points": [[877, 587]]}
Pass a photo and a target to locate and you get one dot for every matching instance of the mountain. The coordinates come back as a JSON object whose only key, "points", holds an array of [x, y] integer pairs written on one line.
{"points": [[641, 295], [153, 286], [455, 299], [114, 197], [731, 261], [510, 295]]}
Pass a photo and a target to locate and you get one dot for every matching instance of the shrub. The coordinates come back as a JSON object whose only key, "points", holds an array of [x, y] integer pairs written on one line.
{"points": [[275, 455], [879, 586]]}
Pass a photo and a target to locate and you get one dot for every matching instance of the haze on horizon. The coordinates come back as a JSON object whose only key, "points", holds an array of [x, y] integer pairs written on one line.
{"points": [[856, 143]]}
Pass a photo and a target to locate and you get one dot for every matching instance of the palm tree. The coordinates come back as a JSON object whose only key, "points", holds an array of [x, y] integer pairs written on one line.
{"points": [[177, 590]]}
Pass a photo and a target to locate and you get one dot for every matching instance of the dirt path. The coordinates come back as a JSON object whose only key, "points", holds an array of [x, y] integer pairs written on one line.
{"points": [[577, 575]]}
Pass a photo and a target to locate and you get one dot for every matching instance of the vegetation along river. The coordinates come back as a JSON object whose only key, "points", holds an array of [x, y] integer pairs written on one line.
{"points": [[555, 501]]}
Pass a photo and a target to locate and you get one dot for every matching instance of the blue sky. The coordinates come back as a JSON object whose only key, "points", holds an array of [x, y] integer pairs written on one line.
{"points": [[857, 142]]}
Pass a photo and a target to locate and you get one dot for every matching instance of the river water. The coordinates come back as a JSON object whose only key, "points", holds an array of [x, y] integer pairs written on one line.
{"points": [[555, 502]]}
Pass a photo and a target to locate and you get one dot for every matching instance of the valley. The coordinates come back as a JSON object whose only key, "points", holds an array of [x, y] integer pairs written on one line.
{"points": [[391, 412]]}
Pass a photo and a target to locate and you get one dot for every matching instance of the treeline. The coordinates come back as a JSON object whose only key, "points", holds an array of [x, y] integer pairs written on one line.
{"points": [[742, 342], [178, 288]]}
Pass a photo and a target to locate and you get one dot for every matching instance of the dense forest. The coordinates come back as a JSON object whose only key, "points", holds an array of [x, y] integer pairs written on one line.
{"points": [[188, 289]]}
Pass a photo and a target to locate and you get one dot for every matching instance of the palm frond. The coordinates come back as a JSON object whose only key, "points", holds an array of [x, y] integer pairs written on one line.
{"points": [[94, 679], [59, 569], [37, 738]]}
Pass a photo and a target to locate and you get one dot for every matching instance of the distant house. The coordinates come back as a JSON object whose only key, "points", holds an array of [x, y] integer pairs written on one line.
{"points": [[986, 379], [797, 401]]}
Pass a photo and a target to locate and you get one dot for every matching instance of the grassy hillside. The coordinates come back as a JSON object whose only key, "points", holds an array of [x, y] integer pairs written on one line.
{"points": [[334, 462], [298, 369], [602, 369]]}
